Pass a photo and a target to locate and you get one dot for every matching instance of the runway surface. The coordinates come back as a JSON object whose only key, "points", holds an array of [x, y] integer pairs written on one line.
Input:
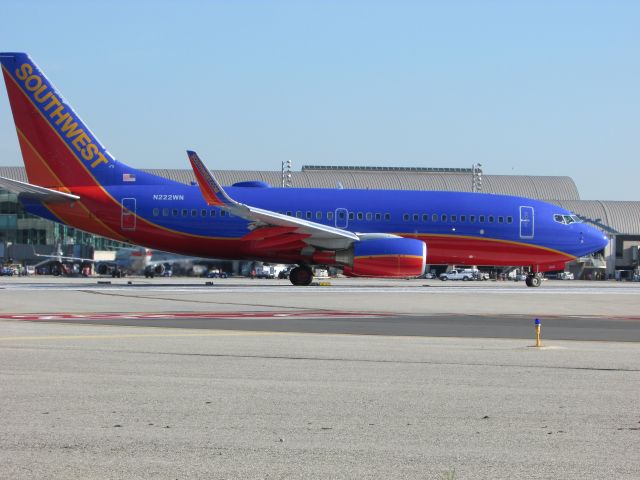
{"points": [[360, 323], [597, 311]]}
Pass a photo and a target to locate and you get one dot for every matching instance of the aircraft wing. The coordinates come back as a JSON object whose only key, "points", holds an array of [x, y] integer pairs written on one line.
{"points": [[63, 257], [314, 233], [36, 192]]}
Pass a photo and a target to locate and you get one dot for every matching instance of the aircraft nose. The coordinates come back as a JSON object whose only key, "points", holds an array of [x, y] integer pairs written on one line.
{"points": [[593, 239]]}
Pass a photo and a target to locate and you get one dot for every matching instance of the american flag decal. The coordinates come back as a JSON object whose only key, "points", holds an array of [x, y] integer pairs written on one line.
{"points": [[128, 177]]}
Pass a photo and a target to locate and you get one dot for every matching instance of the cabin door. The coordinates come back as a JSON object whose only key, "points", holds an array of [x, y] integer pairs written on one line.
{"points": [[128, 219], [526, 222]]}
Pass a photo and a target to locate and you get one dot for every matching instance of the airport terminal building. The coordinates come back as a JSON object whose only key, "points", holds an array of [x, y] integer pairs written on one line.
{"points": [[21, 233]]}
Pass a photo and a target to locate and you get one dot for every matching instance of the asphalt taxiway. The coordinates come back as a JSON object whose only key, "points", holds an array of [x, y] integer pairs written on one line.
{"points": [[568, 310], [239, 386]]}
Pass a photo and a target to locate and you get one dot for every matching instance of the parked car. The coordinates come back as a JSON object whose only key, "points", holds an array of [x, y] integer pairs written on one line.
{"points": [[214, 273], [284, 274], [429, 275], [7, 272], [566, 276], [457, 275], [478, 275]]}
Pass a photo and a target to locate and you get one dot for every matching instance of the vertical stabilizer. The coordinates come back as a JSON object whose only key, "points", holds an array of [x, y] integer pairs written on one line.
{"points": [[58, 149]]}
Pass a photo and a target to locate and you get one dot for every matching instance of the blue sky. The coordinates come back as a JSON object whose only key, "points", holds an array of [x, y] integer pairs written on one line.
{"points": [[529, 88]]}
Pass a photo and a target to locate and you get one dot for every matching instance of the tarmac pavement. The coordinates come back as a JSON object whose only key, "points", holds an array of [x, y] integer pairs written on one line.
{"points": [[96, 401]]}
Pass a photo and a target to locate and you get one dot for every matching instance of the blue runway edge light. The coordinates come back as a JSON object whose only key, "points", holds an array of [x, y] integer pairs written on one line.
{"points": [[537, 321]]}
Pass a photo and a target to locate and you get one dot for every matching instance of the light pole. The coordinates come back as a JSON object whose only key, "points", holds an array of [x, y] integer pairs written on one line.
{"points": [[476, 177], [286, 173]]}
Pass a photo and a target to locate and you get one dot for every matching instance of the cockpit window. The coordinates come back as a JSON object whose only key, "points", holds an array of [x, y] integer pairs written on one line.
{"points": [[566, 219]]}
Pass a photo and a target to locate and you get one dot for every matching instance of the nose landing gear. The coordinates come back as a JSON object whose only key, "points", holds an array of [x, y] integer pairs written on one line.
{"points": [[301, 276], [534, 280]]}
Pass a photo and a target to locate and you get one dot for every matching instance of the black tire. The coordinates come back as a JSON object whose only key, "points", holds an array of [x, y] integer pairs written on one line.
{"points": [[301, 276], [534, 281], [464, 279]]}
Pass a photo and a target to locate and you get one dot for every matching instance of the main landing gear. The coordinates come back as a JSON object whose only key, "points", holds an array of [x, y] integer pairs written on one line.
{"points": [[301, 276], [534, 280]]}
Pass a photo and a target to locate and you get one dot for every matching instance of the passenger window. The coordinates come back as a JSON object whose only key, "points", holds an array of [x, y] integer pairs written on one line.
{"points": [[416, 217], [156, 212], [490, 218], [360, 215], [434, 217], [203, 212], [174, 212], [509, 219], [194, 212], [290, 213], [369, 216], [472, 219], [330, 215], [405, 217], [318, 215], [500, 219], [378, 216], [352, 215], [463, 218], [425, 217], [212, 213], [443, 218], [165, 212], [309, 215], [223, 213], [185, 212], [454, 218], [481, 219], [387, 217]]}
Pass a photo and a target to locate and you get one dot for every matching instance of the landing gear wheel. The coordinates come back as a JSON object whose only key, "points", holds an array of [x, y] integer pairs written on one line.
{"points": [[534, 280], [301, 276]]}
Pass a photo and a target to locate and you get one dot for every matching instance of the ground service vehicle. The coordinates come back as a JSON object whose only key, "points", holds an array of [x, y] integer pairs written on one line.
{"points": [[464, 275]]}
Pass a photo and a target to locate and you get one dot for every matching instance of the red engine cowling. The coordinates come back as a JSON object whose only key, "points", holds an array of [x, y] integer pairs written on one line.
{"points": [[387, 257]]}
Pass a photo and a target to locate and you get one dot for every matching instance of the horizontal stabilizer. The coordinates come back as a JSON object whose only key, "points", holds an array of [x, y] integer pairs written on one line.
{"points": [[36, 192]]}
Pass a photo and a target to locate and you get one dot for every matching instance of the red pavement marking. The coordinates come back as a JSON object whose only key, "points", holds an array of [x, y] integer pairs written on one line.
{"points": [[145, 316]]}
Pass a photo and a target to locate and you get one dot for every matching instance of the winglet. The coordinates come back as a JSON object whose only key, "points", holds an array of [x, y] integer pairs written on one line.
{"points": [[212, 191]]}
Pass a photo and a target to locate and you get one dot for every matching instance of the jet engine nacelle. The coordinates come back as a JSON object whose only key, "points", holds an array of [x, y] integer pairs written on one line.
{"points": [[102, 268], [153, 270], [385, 257], [159, 269]]}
